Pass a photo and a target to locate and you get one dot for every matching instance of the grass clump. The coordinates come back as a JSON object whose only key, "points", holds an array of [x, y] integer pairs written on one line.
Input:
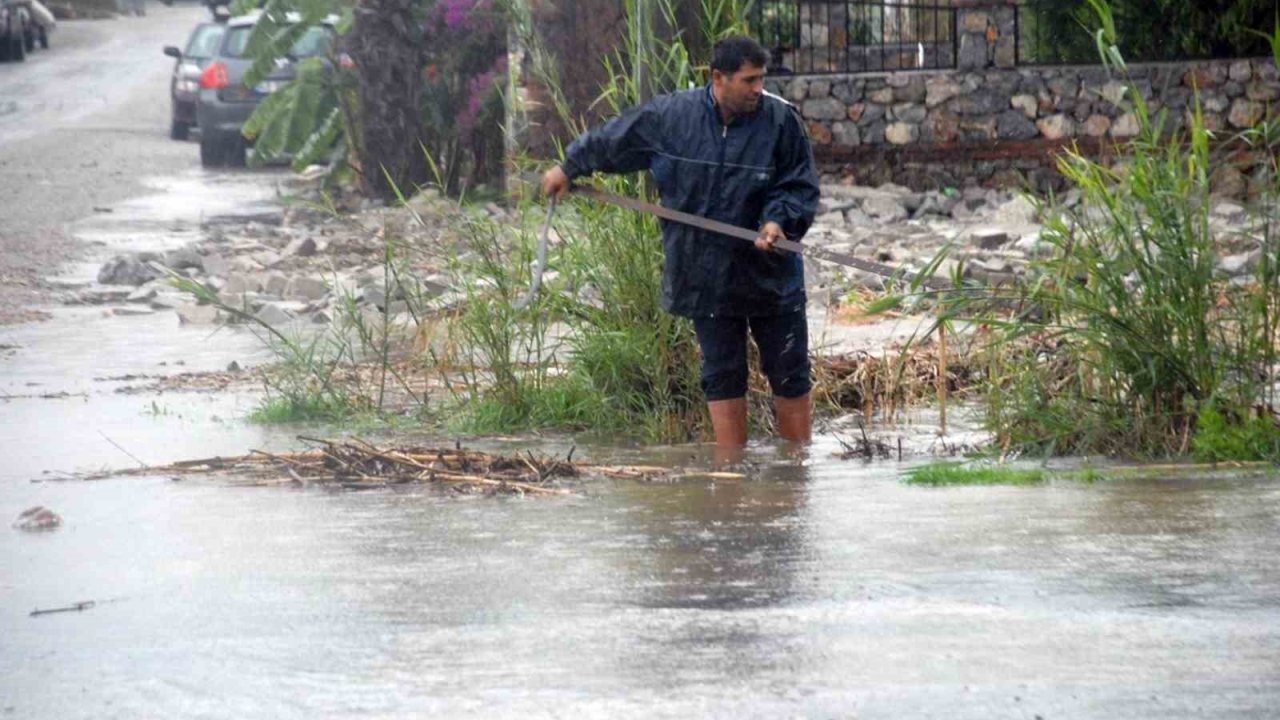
{"points": [[1128, 338], [594, 351], [941, 474], [1219, 438]]}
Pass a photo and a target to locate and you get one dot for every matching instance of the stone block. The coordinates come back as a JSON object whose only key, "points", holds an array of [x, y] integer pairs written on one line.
{"points": [[1215, 102], [881, 96], [132, 269], [1114, 91], [845, 133], [901, 133], [939, 89], [1096, 126], [183, 258], [1065, 87], [239, 283], [909, 113], [1227, 181], [797, 90], [215, 264], [982, 102], [1245, 113], [277, 284], [873, 133], [273, 314], [1262, 92], [940, 127], [1241, 264], [846, 92], [871, 114], [913, 91], [307, 288], [977, 129], [973, 52], [1025, 103], [827, 108], [197, 315], [819, 89], [819, 133], [1056, 127], [1013, 125], [300, 247], [989, 238], [974, 21], [885, 209]]}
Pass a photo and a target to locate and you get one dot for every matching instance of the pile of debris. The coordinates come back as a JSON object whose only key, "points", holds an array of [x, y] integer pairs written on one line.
{"points": [[356, 464]]}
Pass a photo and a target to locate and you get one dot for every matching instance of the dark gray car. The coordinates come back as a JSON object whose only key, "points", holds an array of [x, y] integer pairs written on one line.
{"points": [[224, 102], [184, 84]]}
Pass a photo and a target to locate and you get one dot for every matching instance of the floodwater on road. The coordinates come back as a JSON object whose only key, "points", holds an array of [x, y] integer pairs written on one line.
{"points": [[62, 402], [814, 588]]}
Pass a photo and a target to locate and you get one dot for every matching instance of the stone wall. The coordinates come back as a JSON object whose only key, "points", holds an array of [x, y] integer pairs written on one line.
{"points": [[990, 122]]}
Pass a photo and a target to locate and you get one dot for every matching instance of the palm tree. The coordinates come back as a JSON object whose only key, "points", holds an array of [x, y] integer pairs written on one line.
{"points": [[386, 44]]}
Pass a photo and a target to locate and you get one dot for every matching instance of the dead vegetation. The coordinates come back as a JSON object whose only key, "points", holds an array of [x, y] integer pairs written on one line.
{"points": [[356, 465]]}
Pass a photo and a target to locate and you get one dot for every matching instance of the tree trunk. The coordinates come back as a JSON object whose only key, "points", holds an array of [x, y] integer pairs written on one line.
{"points": [[386, 46]]}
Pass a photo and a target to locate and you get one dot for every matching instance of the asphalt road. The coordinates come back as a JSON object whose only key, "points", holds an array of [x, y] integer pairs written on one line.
{"points": [[81, 125]]}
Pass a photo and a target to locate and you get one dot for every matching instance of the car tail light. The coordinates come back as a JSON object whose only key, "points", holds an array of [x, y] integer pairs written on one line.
{"points": [[215, 77]]}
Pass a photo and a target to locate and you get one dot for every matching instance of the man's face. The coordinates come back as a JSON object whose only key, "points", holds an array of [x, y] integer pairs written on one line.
{"points": [[739, 92]]}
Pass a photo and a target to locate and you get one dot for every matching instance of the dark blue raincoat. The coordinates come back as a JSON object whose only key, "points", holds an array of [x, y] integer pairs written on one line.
{"points": [[756, 169]]}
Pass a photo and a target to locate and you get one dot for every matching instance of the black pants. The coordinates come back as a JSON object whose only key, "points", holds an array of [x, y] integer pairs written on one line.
{"points": [[783, 341]]}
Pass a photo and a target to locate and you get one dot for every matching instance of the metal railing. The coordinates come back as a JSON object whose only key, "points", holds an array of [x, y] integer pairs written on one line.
{"points": [[850, 36]]}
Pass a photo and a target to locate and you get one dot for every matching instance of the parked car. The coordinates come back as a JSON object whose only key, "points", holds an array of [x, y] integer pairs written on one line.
{"points": [[16, 30], [23, 25], [225, 102], [184, 83], [12, 32]]}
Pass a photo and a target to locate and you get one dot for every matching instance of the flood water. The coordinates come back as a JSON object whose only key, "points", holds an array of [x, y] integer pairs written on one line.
{"points": [[815, 588], [822, 588]]}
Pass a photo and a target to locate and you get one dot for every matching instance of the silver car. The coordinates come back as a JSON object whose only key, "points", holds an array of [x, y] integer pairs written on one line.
{"points": [[184, 84], [224, 102]]}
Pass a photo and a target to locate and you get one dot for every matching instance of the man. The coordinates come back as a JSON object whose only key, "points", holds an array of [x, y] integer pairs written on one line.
{"points": [[731, 152]]}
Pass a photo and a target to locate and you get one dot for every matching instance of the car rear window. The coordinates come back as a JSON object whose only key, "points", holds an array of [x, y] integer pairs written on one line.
{"points": [[204, 41], [315, 41]]}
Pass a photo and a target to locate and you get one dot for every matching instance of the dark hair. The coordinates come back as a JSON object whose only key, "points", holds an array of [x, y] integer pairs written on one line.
{"points": [[731, 53]]}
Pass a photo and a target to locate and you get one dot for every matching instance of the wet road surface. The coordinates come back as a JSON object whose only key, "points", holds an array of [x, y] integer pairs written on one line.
{"points": [[816, 589], [819, 590]]}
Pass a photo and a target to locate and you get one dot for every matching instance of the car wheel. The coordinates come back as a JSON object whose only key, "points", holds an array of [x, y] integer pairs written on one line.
{"points": [[29, 40], [44, 39], [17, 48], [179, 130], [234, 150], [211, 147]]}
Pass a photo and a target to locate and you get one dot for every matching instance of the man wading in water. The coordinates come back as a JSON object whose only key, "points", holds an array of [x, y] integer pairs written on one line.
{"points": [[730, 152]]}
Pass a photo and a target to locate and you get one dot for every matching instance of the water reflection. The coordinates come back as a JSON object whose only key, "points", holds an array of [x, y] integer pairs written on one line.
{"points": [[722, 544], [1177, 542]]}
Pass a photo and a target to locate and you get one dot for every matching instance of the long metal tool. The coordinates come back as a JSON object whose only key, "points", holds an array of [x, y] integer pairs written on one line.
{"points": [[742, 233], [544, 239]]}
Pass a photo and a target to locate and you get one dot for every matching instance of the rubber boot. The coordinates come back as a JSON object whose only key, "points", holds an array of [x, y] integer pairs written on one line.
{"points": [[794, 418], [729, 421]]}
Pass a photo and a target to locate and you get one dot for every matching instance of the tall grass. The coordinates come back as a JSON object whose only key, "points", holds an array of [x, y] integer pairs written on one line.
{"points": [[621, 364], [1138, 344]]}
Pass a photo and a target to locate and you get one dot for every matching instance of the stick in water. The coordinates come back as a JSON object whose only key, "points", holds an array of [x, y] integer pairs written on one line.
{"points": [[126, 452], [78, 607]]}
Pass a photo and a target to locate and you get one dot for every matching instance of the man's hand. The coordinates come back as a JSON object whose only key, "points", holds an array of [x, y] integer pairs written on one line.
{"points": [[555, 183], [769, 234]]}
